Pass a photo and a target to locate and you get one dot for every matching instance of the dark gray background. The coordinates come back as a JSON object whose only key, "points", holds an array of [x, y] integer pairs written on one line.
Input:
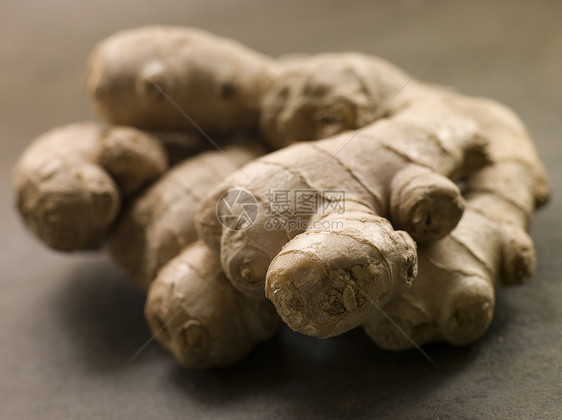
{"points": [[69, 323]]}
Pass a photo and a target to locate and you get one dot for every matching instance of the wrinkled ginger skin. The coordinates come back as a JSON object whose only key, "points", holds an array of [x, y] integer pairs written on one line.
{"points": [[196, 314], [324, 283], [453, 297], [70, 181], [322, 95], [168, 78], [411, 259], [416, 150], [160, 222]]}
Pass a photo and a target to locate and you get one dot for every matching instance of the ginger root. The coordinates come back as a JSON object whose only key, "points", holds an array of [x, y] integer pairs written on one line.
{"points": [[412, 153], [61, 199], [322, 95], [402, 237], [191, 308], [454, 295], [196, 314], [325, 281], [160, 222], [175, 78], [70, 182]]}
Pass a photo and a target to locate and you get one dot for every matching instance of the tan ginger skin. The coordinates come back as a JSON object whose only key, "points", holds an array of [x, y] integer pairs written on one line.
{"points": [[159, 223], [70, 181], [453, 297], [219, 84], [191, 308], [415, 152], [195, 312], [322, 95], [168, 78], [318, 289], [153, 229], [397, 173]]}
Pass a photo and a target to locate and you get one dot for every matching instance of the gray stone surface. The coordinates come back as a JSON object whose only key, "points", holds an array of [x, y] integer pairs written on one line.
{"points": [[70, 323]]}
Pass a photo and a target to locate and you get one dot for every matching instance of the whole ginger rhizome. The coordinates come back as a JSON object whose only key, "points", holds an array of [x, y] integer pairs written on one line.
{"points": [[222, 240]]}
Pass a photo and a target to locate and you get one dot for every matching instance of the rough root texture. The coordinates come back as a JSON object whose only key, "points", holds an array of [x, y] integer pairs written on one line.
{"points": [[159, 223], [402, 167], [195, 313], [174, 78], [70, 182], [453, 297], [385, 240]]}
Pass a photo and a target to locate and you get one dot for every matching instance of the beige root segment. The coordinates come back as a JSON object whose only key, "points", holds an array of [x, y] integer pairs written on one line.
{"points": [[191, 308], [175, 78], [322, 95], [414, 152], [453, 297], [390, 242], [70, 181], [159, 223], [325, 281], [196, 314]]}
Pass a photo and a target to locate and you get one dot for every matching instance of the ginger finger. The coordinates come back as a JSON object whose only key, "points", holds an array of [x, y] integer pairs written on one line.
{"points": [[424, 203], [324, 282], [69, 183], [160, 222], [192, 310], [320, 96], [175, 78], [196, 314], [453, 297]]}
